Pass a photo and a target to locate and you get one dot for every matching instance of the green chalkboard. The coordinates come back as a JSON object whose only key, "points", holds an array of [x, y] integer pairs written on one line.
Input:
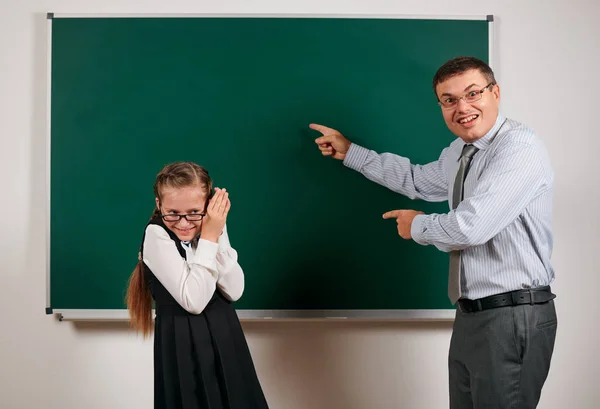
{"points": [[129, 95]]}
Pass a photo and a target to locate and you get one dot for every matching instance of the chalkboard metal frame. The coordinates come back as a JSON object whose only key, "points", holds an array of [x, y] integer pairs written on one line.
{"points": [[122, 315], [276, 315]]}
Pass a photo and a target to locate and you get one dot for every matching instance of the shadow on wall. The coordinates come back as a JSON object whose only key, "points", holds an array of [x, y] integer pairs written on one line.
{"points": [[323, 364]]}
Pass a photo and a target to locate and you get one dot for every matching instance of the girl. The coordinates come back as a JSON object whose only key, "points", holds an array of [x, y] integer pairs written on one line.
{"points": [[187, 265]]}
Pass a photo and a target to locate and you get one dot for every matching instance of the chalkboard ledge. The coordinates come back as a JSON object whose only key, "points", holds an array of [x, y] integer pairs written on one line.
{"points": [[248, 315]]}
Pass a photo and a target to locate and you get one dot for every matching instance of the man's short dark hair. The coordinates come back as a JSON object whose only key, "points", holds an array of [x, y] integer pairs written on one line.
{"points": [[459, 65]]}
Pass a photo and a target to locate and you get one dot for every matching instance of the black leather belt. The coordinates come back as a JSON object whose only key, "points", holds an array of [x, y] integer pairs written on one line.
{"points": [[531, 296]]}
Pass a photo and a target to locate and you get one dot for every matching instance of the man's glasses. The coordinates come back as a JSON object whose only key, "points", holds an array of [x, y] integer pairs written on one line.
{"points": [[469, 97]]}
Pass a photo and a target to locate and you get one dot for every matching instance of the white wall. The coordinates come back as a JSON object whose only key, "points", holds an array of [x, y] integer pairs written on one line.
{"points": [[547, 60]]}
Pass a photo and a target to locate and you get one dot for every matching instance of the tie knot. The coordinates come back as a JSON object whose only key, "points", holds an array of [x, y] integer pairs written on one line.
{"points": [[468, 151]]}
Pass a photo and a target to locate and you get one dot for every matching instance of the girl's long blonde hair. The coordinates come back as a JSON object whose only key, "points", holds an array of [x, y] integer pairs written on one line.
{"points": [[139, 298]]}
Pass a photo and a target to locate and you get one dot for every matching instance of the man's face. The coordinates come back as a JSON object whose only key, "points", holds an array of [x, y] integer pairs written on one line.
{"points": [[469, 120]]}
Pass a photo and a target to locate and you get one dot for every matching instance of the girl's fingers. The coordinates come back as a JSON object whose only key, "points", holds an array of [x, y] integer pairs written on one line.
{"points": [[227, 207], [223, 204], [215, 201]]}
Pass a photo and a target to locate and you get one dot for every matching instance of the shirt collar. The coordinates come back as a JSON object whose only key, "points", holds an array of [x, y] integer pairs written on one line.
{"points": [[486, 140]]}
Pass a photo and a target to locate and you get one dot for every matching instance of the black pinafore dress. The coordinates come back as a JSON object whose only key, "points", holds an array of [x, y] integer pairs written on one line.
{"points": [[200, 361]]}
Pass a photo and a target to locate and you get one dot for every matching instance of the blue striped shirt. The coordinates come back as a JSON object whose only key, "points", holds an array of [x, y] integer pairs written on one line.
{"points": [[503, 225]]}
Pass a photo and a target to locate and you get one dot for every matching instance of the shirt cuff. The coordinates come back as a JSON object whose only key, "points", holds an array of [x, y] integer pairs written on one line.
{"points": [[205, 253], [223, 241], [418, 228], [355, 157]]}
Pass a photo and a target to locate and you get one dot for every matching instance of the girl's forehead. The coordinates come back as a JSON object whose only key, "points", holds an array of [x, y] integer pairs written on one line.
{"points": [[189, 196]]}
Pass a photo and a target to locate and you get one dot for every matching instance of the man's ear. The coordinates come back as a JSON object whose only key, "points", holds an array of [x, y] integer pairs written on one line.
{"points": [[496, 92]]}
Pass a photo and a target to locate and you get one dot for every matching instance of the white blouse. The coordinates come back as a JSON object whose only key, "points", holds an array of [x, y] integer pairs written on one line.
{"points": [[193, 281]]}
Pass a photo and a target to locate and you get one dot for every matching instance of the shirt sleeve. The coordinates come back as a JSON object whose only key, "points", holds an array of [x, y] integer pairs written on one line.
{"points": [[191, 282], [231, 275], [426, 182], [514, 176]]}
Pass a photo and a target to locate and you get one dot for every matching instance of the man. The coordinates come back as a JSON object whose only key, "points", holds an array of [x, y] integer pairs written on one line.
{"points": [[498, 180]]}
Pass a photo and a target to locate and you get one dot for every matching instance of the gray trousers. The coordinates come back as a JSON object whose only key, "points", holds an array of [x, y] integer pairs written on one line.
{"points": [[500, 358]]}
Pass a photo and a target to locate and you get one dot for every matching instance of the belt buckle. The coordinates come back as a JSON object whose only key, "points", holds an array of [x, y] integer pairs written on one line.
{"points": [[469, 306]]}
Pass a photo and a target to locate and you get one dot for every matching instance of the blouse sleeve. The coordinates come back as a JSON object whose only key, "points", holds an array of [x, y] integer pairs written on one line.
{"points": [[191, 282], [231, 276]]}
